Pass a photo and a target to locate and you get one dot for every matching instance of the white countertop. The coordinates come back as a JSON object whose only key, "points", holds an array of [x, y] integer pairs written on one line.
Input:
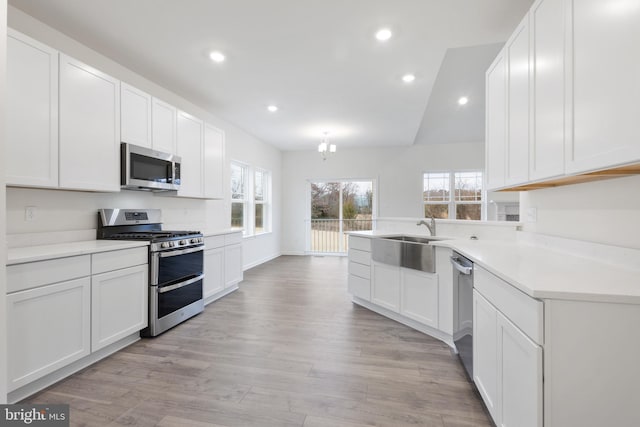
{"points": [[547, 274], [209, 233], [62, 250]]}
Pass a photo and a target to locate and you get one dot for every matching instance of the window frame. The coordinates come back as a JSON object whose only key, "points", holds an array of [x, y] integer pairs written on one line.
{"points": [[452, 202], [249, 201]]}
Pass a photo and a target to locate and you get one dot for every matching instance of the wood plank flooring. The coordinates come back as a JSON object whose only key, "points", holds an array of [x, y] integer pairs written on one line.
{"points": [[288, 349]]}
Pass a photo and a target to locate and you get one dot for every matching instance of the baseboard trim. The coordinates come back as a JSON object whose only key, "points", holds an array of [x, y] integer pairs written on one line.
{"points": [[225, 292], [261, 261]]}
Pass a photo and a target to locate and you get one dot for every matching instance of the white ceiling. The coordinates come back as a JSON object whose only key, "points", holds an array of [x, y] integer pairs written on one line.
{"points": [[317, 60]]}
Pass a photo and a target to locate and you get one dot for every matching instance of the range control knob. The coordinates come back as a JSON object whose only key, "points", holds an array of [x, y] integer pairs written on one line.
{"points": [[195, 240], [165, 245], [182, 242], [172, 244]]}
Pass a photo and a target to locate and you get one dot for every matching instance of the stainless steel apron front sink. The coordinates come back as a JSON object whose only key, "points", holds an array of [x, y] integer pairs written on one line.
{"points": [[405, 251]]}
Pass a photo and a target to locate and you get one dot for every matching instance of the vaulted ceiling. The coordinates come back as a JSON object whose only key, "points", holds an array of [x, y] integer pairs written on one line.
{"points": [[316, 60]]}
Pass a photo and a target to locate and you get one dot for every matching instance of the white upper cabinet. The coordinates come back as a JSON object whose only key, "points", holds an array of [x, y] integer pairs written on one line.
{"points": [[135, 116], [190, 135], [518, 70], [213, 162], [89, 128], [496, 111], [32, 112], [549, 131], [605, 55], [163, 126]]}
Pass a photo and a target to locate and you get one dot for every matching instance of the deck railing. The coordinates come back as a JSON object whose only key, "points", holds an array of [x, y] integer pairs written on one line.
{"points": [[328, 235]]}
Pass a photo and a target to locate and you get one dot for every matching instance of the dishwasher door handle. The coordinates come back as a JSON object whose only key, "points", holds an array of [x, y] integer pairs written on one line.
{"points": [[463, 269]]}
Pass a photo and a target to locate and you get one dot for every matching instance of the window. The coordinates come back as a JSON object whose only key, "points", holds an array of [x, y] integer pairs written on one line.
{"points": [[250, 199], [453, 195], [261, 197], [239, 196]]}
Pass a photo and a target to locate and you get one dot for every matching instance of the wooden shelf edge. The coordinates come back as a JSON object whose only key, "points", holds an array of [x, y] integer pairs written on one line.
{"points": [[619, 172]]}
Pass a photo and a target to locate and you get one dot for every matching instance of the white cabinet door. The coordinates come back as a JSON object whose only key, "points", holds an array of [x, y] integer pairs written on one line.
{"points": [[233, 264], [163, 122], [385, 286], [48, 328], [496, 125], [214, 268], [189, 144], [32, 112], [118, 305], [606, 86], [485, 352], [518, 68], [213, 162], [89, 128], [549, 131], [419, 296], [519, 377], [135, 116]]}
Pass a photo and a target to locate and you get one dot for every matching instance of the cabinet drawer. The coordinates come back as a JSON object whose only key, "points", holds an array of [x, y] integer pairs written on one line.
{"points": [[361, 257], [359, 270], [115, 260], [214, 242], [360, 243], [34, 274], [233, 238], [525, 312], [359, 287]]}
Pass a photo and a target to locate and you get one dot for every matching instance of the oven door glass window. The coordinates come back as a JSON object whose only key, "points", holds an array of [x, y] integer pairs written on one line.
{"points": [[174, 267], [175, 299]]}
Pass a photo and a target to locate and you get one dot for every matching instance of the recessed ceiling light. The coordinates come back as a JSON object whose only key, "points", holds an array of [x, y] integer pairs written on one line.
{"points": [[463, 100], [217, 56], [408, 78], [384, 34], [272, 108]]}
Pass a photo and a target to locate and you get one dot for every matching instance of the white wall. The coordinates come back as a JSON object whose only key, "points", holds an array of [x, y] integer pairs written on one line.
{"points": [[398, 172], [3, 285], [66, 210], [605, 212]]}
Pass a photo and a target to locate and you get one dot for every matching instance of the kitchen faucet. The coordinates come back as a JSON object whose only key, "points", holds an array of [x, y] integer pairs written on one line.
{"points": [[431, 225]]}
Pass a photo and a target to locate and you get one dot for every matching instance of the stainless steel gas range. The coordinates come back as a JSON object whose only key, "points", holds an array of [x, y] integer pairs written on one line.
{"points": [[175, 264]]}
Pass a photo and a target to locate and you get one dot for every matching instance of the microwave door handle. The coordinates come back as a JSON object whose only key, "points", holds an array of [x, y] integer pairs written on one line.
{"points": [[169, 172]]}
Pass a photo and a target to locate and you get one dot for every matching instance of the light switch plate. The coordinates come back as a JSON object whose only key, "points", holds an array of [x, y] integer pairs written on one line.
{"points": [[30, 213], [532, 214]]}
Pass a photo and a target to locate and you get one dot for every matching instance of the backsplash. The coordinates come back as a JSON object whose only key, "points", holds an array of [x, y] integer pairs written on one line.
{"points": [[61, 216]]}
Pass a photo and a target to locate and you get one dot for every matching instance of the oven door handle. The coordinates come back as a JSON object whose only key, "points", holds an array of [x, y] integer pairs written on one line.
{"points": [[163, 289], [180, 252]]}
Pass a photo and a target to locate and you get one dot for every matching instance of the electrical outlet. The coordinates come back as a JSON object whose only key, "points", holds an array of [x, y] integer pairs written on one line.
{"points": [[532, 214], [30, 213]]}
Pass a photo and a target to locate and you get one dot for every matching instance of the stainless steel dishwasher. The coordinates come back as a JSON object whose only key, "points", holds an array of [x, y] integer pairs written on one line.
{"points": [[463, 310]]}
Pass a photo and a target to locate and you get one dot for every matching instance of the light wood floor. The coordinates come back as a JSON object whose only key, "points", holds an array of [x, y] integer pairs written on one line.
{"points": [[287, 349]]}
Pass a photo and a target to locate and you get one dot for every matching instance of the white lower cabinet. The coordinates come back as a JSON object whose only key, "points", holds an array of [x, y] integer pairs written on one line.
{"points": [[222, 265], [485, 352], [119, 301], [61, 310], [507, 367], [213, 271], [48, 328], [233, 264], [359, 281], [519, 377], [385, 286], [419, 296]]}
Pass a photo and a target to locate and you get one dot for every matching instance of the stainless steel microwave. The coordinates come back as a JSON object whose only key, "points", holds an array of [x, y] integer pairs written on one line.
{"points": [[146, 169]]}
